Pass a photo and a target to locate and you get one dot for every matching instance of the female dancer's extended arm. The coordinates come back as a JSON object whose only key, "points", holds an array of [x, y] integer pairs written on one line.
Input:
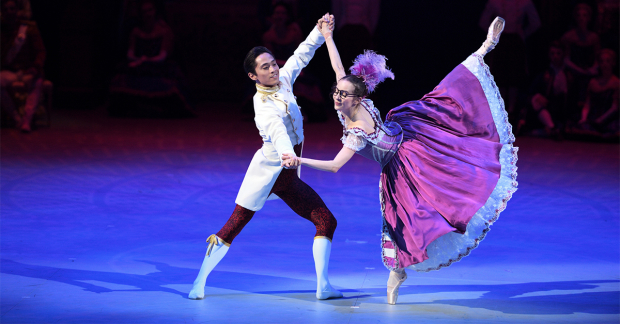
{"points": [[291, 161], [326, 26]]}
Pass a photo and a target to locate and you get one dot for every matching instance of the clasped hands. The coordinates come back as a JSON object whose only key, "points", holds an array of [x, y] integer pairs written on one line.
{"points": [[290, 161], [326, 25]]}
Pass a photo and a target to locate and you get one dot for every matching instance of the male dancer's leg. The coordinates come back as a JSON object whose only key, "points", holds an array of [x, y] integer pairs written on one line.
{"points": [[304, 201], [218, 246], [300, 197], [240, 217]]}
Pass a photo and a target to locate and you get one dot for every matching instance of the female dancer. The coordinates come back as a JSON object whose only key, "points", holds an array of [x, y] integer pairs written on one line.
{"points": [[448, 164]]}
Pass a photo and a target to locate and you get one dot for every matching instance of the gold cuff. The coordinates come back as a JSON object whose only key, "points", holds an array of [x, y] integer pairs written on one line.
{"points": [[325, 237]]}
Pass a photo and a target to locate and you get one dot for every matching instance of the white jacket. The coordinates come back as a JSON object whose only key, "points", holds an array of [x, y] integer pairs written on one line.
{"points": [[280, 124]]}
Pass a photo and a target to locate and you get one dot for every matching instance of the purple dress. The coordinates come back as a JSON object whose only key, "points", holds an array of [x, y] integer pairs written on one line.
{"points": [[448, 168]]}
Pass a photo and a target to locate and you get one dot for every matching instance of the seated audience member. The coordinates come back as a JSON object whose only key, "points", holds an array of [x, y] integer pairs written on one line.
{"points": [[550, 93], [608, 21], [582, 46], [23, 56], [284, 35], [508, 61], [600, 111], [149, 83]]}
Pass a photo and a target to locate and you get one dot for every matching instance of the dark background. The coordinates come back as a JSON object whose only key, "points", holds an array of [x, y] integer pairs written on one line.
{"points": [[423, 41]]}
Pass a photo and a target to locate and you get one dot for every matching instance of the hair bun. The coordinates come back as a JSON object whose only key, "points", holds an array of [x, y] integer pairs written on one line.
{"points": [[371, 68]]}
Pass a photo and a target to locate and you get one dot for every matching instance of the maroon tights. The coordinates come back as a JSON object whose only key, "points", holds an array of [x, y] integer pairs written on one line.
{"points": [[302, 199]]}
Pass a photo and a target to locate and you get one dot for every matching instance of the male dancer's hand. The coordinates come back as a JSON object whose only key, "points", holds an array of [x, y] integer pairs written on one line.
{"points": [[290, 161], [326, 25]]}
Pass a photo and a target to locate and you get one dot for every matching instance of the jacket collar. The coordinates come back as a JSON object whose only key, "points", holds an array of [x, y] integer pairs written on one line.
{"points": [[267, 90]]}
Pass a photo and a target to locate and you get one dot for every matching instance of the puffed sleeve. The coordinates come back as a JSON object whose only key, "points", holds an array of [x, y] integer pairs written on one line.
{"points": [[354, 142]]}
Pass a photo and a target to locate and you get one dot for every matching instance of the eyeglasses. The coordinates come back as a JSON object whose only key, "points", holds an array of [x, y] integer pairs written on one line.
{"points": [[342, 94]]}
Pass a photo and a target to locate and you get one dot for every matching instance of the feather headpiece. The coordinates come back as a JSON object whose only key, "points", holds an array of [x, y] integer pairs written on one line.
{"points": [[371, 68]]}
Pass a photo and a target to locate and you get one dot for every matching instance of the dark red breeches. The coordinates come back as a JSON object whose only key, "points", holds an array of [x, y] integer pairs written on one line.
{"points": [[302, 199]]}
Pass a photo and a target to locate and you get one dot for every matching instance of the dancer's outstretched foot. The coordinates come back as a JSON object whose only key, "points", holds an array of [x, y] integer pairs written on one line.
{"points": [[495, 30], [215, 252], [394, 281]]}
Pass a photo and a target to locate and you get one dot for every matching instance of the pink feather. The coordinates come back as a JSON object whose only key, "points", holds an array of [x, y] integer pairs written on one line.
{"points": [[370, 66]]}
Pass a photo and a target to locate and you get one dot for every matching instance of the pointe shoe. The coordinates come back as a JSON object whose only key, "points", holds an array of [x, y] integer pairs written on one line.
{"points": [[495, 30], [393, 284], [215, 252]]}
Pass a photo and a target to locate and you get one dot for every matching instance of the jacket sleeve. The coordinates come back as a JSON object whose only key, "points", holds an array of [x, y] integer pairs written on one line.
{"points": [[269, 119], [302, 56]]}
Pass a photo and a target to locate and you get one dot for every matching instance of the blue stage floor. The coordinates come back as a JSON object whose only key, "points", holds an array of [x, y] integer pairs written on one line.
{"points": [[105, 220]]}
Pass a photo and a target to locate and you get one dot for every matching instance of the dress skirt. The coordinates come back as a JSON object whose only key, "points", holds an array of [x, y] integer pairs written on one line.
{"points": [[453, 173]]}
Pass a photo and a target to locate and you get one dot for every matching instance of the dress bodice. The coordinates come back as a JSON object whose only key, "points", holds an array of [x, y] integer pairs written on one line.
{"points": [[380, 145]]}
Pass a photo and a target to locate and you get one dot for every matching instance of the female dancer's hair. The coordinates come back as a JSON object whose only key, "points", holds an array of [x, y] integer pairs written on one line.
{"points": [[367, 71]]}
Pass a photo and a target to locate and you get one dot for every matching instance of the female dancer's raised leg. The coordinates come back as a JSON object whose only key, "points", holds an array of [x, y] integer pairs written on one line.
{"points": [[397, 277]]}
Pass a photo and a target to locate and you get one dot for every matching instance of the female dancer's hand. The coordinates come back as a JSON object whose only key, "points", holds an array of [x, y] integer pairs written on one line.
{"points": [[326, 25]]}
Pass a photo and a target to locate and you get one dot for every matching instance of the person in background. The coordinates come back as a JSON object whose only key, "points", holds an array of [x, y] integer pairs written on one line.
{"points": [[509, 61], [551, 93], [22, 60], [600, 111], [149, 77], [608, 31], [356, 26], [282, 39], [284, 34], [582, 47]]}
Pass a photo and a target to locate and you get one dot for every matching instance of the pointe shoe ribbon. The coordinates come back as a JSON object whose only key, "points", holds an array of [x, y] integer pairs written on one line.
{"points": [[393, 285]]}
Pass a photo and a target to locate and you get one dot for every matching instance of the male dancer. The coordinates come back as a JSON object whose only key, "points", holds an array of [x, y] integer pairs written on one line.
{"points": [[279, 123]]}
